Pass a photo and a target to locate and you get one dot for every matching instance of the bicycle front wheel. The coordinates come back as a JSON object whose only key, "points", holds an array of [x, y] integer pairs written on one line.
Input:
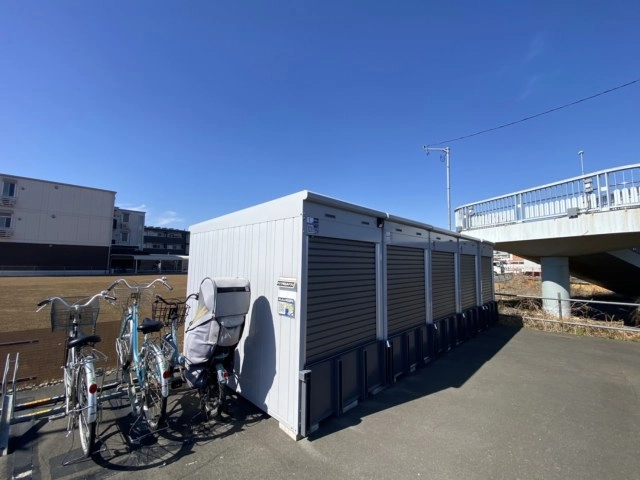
{"points": [[123, 345], [154, 390], [85, 410]]}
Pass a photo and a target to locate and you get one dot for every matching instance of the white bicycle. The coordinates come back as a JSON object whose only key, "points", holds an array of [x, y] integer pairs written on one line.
{"points": [[80, 385]]}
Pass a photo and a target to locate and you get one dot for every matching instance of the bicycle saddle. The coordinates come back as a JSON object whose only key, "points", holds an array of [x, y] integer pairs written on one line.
{"points": [[149, 325], [82, 340]]}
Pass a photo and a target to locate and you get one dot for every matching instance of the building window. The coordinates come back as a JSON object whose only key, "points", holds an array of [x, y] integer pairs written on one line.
{"points": [[8, 188], [125, 217], [5, 220], [7, 193], [124, 236]]}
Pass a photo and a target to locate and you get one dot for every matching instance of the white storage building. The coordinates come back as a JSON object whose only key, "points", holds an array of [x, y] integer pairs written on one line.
{"points": [[344, 299]]}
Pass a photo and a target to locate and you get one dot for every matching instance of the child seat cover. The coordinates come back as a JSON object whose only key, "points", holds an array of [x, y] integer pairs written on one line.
{"points": [[223, 304]]}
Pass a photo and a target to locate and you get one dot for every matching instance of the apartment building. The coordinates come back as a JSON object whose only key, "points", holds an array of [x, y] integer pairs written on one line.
{"points": [[128, 231], [53, 226], [161, 240]]}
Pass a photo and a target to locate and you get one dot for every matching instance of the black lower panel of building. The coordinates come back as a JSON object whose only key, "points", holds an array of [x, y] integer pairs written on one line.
{"points": [[34, 256]]}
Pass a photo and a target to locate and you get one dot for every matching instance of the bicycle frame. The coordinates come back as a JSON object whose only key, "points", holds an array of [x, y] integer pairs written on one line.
{"points": [[137, 352], [170, 314], [175, 358], [135, 356], [71, 369], [170, 339]]}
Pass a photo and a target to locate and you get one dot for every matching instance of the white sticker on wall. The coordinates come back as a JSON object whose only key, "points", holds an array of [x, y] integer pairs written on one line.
{"points": [[313, 225], [286, 307]]}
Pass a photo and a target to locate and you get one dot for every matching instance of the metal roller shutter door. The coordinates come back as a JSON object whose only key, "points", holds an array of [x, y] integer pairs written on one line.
{"points": [[468, 281], [405, 288], [487, 279], [443, 278], [341, 296]]}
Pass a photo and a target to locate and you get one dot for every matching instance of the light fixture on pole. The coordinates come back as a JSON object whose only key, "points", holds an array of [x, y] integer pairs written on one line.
{"points": [[446, 152], [581, 155]]}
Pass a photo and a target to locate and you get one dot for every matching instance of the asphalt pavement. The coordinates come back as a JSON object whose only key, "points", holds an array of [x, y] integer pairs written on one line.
{"points": [[508, 404]]}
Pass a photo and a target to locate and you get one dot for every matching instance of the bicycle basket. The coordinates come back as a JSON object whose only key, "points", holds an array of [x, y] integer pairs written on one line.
{"points": [[127, 297], [62, 316], [166, 313]]}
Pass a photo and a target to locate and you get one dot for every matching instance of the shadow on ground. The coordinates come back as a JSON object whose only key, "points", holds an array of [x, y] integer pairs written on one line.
{"points": [[42, 448], [449, 370]]}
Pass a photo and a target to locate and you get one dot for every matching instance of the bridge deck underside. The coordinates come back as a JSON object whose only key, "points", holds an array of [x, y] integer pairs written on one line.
{"points": [[607, 271], [590, 256]]}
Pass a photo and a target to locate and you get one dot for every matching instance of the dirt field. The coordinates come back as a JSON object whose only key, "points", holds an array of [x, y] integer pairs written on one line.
{"points": [[28, 333], [20, 295]]}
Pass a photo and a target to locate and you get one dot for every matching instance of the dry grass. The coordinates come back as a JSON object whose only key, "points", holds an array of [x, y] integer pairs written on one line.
{"points": [[527, 285], [590, 319], [20, 295]]}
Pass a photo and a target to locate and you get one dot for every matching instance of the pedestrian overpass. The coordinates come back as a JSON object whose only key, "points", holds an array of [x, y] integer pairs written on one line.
{"points": [[586, 226]]}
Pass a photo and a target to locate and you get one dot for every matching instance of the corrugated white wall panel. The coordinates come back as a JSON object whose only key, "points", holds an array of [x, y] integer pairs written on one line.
{"points": [[268, 359]]}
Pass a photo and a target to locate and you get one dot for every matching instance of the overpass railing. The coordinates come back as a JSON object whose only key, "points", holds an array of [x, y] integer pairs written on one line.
{"points": [[615, 188]]}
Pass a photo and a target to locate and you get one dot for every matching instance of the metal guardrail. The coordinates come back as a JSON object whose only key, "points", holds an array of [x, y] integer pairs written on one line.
{"points": [[611, 189], [579, 301]]}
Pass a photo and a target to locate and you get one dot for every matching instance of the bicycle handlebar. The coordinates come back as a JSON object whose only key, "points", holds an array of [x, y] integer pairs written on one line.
{"points": [[159, 297], [137, 288], [47, 301]]}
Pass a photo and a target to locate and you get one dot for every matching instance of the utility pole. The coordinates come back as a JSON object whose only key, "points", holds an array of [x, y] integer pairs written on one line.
{"points": [[446, 152], [581, 155]]}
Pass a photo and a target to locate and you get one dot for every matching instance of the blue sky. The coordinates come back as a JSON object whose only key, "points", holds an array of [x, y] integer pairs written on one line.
{"points": [[191, 110]]}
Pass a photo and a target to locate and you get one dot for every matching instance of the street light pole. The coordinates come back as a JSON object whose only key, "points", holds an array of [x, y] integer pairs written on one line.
{"points": [[581, 154], [447, 153]]}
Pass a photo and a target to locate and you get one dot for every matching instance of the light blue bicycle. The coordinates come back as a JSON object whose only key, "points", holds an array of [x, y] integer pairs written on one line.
{"points": [[144, 368]]}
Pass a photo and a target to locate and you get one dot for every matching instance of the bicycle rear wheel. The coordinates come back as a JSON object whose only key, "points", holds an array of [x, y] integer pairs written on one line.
{"points": [[154, 402], [86, 428], [212, 396]]}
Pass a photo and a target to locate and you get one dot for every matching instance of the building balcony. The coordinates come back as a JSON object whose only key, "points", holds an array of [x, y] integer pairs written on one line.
{"points": [[164, 240], [7, 201]]}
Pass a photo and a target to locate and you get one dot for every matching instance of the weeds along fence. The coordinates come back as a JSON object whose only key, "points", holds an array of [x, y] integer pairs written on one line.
{"points": [[585, 319]]}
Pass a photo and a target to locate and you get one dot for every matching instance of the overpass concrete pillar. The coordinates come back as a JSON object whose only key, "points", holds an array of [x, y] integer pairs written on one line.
{"points": [[555, 280]]}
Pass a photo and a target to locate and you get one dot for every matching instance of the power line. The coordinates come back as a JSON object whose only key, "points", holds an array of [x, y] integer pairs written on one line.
{"points": [[538, 114]]}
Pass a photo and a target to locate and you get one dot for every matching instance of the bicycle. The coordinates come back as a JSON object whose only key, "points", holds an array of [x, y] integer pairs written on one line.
{"points": [[80, 384], [211, 338], [172, 313], [143, 363]]}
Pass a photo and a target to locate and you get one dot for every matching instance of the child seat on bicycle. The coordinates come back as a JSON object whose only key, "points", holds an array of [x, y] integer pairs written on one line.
{"points": [[218, 324]]}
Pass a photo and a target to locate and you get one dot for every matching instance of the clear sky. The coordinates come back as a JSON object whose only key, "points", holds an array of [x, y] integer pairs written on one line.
{"points": [[191, 110]]}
